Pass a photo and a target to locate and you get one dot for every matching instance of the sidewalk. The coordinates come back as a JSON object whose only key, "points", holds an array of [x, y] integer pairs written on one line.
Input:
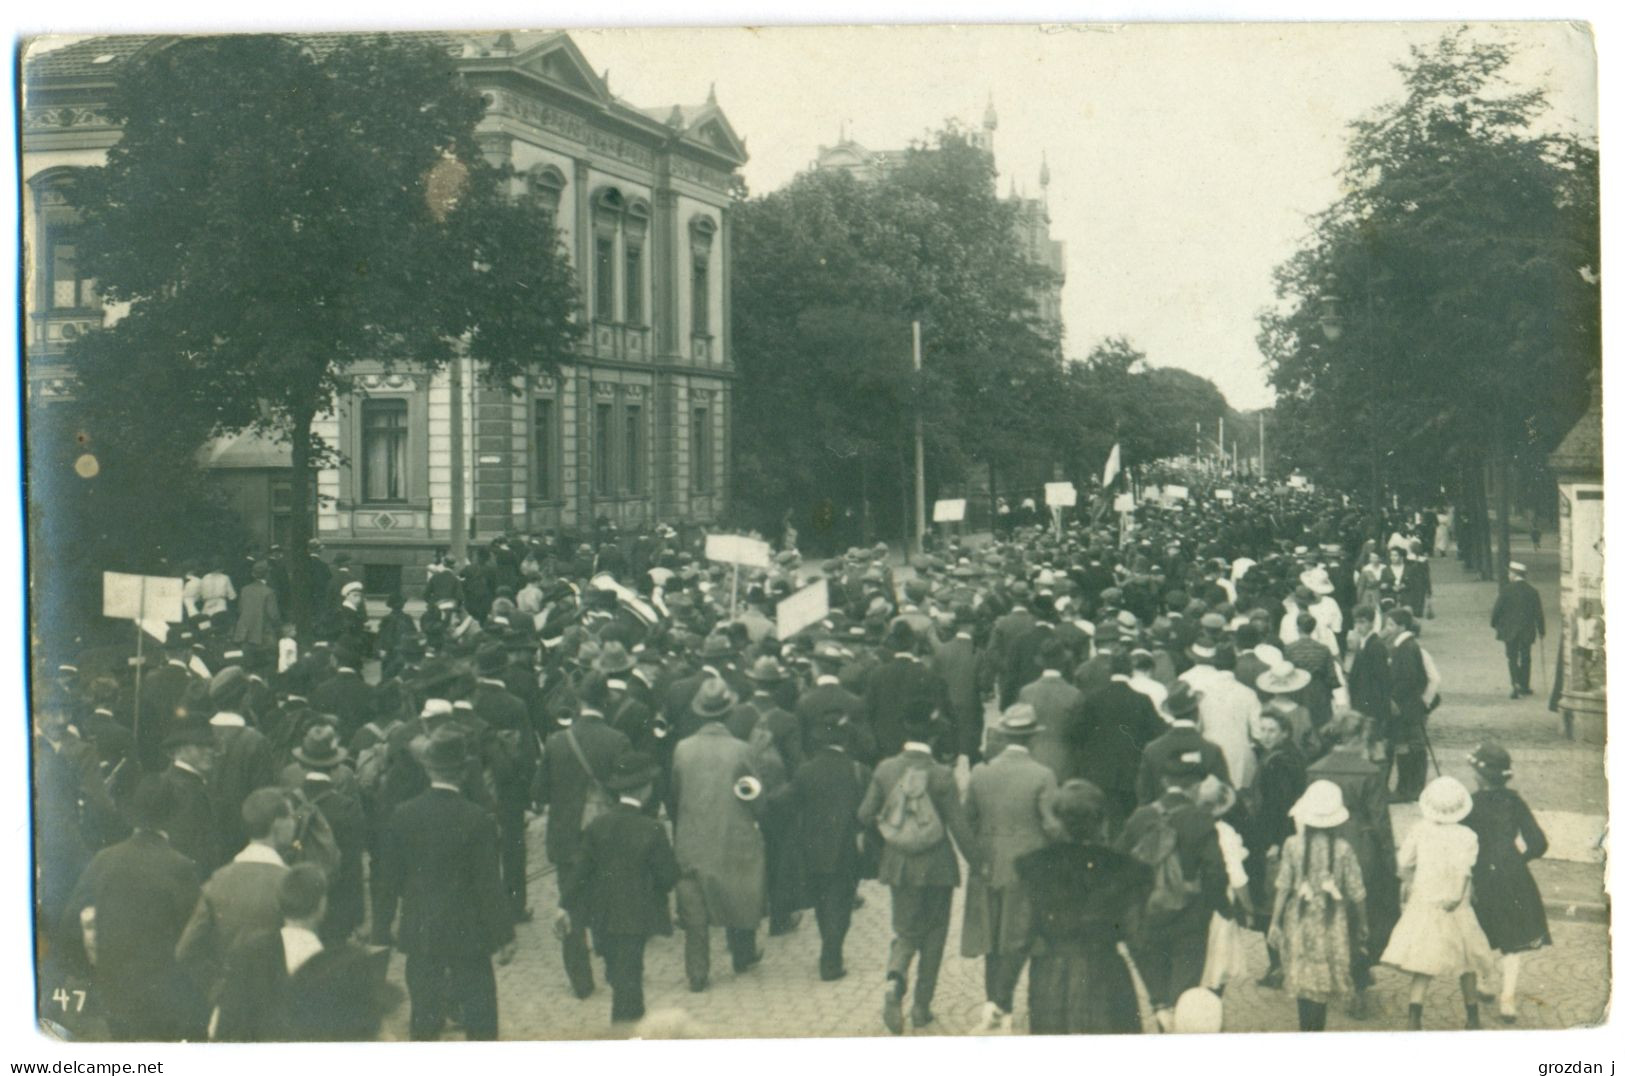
{"points": [[1563, 781]]}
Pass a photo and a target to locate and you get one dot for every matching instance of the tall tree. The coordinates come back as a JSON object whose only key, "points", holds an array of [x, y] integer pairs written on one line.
{"points": [[277, 211], [1444, 318]]}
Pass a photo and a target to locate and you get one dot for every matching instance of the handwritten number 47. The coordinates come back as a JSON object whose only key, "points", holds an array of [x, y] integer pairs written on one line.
{"points": [[65, 997]]}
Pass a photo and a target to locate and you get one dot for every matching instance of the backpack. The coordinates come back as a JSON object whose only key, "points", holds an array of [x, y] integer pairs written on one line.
{"points": [[909, 821], [598, 799], [765, 756], [373, 760], [313, 840], [1157, 846]]}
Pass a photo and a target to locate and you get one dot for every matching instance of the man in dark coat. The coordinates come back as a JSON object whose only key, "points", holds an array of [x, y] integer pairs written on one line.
{"points": [[1172, 945], [163, 691], [125, 917], [826, 702], [440, 863], [960, 666], [775, 739], [1410, 682], [922, 882], [194, 820], [822, 800], [345, 695], [1007, 631], [901, 692], [1118, 724], [1180, 746], [512, 759], [1518, 620], [255, 996], [574, 764], [619, 888], [1370, 686]]}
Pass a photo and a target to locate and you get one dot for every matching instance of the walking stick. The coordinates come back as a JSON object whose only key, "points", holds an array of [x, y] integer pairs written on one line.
{"points": [[1427, 742]]}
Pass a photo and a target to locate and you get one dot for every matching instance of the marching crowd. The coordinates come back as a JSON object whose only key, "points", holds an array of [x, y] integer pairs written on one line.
{"points": [[1178, 728]]}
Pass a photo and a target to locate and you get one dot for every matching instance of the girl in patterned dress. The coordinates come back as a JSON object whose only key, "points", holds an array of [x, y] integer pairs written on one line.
{"points": [[1319, 905]]}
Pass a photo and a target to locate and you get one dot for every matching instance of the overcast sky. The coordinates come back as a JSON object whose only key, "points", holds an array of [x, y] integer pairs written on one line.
{"points": [[1184, 159]]}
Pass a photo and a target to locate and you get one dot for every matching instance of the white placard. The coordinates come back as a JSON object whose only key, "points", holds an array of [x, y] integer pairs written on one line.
{"points": [[1175, 493], [1297, 481], [737, 549], [1123, 502], [802, 609], [142, 597], [948, 511], [1060, 494], [1225, 494]]}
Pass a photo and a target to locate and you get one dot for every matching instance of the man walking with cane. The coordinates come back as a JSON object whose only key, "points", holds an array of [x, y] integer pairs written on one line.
{"points": [[1517, 620]]}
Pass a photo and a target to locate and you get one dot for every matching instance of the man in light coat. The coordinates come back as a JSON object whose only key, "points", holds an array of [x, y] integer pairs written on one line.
{"points": [[720, 852], [1009, 809]]}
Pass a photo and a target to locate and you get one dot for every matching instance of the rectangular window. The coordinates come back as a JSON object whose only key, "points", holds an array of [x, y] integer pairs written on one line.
{"points": [[68, 290], [634, 449], [545, 430], [701, 296], [604, 278], [603, 458], [383, 451], [700, 430], [634, 284]]}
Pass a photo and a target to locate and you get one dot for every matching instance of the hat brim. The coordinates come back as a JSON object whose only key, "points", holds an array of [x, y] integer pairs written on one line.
{"points": [[1296, 682], [1329, 820], [1456, 814], [627, 782]]}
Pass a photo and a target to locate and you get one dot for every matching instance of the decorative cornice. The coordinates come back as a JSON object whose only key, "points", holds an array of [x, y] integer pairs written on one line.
{"points": [[63, 117], [571, 126]]}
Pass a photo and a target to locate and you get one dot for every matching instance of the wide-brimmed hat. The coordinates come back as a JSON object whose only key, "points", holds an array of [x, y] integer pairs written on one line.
{"points": [[713, 699], [1318, 580], [717, 645], [1182, 699], [1019, 720], [633, 769], [1283, 678], [321, 749], [1446, 799], [613, 659], [1491, 760], [1320, 806], [1204, 649], [1269, 654], [1517, 569], [1215, 796], [765, 670]]}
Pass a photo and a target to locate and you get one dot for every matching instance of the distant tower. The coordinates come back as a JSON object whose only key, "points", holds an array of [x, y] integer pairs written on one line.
{"points": [[1043, 181], [990, 123]]}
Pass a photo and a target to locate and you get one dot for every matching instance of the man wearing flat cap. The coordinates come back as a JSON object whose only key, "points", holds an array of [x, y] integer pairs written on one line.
{"points": [[440, 865]]}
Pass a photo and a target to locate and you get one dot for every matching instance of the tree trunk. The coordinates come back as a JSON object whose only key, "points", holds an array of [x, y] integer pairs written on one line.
{"points": [[1503, 505], [866, 531], [301, 528], [992, 497]]}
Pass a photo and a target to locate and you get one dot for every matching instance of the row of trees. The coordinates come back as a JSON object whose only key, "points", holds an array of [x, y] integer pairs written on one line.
{"points": [[831, 270], [1440, 327]]}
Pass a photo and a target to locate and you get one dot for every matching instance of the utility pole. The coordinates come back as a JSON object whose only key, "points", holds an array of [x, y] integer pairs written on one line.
{"points": [[1222, 467], [459, 498], [1261, 446], [919, 449]]}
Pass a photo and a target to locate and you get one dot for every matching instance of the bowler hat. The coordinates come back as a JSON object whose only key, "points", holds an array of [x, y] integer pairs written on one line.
{"points": [[1182, 700], [633, 769], [766, 671], [1019, 720], [717, 645], [613, 659], [447, 750]]}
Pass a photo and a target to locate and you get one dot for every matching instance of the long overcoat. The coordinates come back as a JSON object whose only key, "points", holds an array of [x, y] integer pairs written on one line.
{"points": [[719, 847]]}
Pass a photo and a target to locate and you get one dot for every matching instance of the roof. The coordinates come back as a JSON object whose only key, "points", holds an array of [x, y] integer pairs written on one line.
{"points": [[1580, 451], [244, 450], [99, 57]]}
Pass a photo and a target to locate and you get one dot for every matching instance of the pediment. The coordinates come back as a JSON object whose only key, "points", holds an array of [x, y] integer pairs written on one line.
{"points": [[560, 62]]}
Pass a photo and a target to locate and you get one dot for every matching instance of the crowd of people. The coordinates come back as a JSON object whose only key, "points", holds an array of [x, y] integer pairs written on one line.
{"points": [[1178, 727]]}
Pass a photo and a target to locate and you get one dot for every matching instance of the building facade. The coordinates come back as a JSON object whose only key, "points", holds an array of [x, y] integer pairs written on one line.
{"points": [[636, 431]]}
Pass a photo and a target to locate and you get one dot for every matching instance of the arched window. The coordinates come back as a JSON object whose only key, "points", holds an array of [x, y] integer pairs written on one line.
{"points": [[62, 285], [637, 231], [545, 185], [607, 208], [701, 231]]}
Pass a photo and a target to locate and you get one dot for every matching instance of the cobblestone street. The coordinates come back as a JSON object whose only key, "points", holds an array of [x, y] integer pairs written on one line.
{"points": [[1561, 987]]}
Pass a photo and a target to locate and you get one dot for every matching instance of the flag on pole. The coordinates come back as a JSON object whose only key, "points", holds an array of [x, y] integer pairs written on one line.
{"points": [[1114, 464]]}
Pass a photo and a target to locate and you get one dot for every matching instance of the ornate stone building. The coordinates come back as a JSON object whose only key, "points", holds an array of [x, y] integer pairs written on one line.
{"points": [[638, 430]]}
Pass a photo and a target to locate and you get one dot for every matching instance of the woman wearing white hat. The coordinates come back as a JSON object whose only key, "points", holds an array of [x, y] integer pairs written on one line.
{"points": [[1280, 684], [1319, 914], [1437, 933]]}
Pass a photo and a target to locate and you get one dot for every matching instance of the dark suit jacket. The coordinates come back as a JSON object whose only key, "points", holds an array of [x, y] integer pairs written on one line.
{"points": [[347, 697], [1118, 724], [143, 892], [1199, 858], [512, 772], [194, 827], [1517, 616], [562, 785], [246, 763], [1370, 688], [1159, 753], [824, 797], [162, 690], [439, 862], [621, 880], [827, 704], [1409, 679], [253, 1000], [901, 692]]}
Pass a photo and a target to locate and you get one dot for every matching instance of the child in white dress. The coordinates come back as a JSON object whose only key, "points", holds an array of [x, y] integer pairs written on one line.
{"points": [[1226, 956], [1438, 933]]}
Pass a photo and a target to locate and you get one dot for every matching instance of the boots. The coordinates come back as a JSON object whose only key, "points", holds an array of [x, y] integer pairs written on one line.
{"points": [[1415, 1023]]}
